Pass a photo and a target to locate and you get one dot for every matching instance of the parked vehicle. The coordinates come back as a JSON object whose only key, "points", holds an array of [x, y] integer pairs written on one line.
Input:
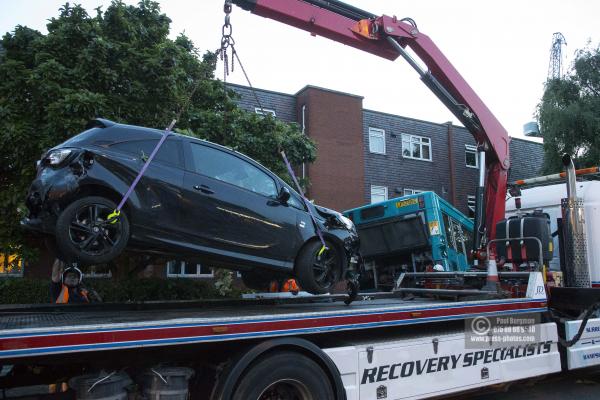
{"points": [[197, 200]]}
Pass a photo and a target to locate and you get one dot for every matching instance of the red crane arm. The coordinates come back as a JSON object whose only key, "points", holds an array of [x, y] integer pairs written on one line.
{"points": [[357, 28]]}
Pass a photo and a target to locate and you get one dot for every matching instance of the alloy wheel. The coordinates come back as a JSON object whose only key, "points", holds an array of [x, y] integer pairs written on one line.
{"points": [[324, 268], [91, 232]]}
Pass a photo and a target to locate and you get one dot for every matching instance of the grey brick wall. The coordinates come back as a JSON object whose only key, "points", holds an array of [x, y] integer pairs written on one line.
{"points": [[526, 159], [283, 104], [396, 172], [466, 178]]}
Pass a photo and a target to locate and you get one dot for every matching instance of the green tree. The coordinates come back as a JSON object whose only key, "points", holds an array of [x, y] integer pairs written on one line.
{"points": [[569, 114], [119, 64]]}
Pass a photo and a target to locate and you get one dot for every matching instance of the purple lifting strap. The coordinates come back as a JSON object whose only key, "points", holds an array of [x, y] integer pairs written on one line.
{"points": [[166, 134], [312, 216]]}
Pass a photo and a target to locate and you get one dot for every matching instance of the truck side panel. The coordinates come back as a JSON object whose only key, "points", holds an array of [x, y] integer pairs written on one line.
{"points": [[586, 352], [439, 365]]}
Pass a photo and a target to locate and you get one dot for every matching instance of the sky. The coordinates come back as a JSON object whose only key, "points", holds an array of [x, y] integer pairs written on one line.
{"points": [[501, 48]]}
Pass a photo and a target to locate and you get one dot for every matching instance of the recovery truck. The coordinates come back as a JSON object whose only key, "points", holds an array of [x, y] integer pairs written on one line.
{"points": [[381, 346]]}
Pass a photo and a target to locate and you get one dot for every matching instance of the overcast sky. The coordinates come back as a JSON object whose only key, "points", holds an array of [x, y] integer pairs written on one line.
{"points": [[502, 49]]}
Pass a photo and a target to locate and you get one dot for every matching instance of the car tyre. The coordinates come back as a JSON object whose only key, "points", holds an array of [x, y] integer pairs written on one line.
{"points": [[84, 234], [284, 375], [318, 274]]}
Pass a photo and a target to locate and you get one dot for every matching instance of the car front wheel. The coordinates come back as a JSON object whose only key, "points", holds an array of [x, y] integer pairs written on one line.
{"points": [[84, 233], [317, 271]]}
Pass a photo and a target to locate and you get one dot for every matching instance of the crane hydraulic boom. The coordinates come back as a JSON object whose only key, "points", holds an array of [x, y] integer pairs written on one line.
{"points": [[388, 37]]}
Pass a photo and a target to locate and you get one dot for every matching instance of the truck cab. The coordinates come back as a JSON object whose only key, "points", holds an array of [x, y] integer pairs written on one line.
{"points": [[416, 233], [548, 198]]}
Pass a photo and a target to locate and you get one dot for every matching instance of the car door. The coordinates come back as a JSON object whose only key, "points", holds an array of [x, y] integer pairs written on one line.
{"points": [[159, 190], [232, 206]]}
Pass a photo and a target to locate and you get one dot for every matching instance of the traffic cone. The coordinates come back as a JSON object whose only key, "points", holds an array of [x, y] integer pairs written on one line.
{"points": [[492, 283]]}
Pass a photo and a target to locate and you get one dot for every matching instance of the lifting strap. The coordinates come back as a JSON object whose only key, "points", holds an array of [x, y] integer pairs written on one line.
{"points": [[112, 217]]}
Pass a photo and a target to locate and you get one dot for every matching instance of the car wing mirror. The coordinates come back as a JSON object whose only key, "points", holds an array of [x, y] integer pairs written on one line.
{"points": [[284, 195]]}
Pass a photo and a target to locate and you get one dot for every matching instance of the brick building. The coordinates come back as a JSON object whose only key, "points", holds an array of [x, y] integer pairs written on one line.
{"points": [[366, 155]]}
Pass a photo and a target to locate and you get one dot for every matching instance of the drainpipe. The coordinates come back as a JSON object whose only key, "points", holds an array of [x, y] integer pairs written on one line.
{"points": [[575, 250], [451, 163]]}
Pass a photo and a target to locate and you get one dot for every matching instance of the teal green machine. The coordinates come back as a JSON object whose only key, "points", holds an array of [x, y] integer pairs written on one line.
{"points": [[416, 233]]}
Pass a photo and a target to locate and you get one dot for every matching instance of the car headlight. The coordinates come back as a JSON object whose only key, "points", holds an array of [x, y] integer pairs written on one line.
{"points": [[56, 157], [347, 222]]}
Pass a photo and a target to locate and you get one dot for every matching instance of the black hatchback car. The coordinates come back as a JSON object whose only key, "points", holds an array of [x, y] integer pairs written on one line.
{"points": [[197, 201]]}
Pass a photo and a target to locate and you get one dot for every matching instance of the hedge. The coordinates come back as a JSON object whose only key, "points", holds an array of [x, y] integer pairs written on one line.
{"points": [[32, 291]]}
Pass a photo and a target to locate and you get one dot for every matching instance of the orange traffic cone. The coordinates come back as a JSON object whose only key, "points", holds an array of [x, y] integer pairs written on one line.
{"points": [[492, 283]]}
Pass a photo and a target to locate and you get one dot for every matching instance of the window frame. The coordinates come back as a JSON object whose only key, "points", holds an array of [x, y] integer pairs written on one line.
{"points": [[377, 187], [421, 145], [191, 167], [380, 133], [412, 191], [91, 273], [471, 149], [264, 111], [471, 198], [182, 274]]}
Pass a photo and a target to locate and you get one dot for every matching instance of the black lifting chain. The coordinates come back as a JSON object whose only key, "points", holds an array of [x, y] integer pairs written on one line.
{"points": [[227, 41]]}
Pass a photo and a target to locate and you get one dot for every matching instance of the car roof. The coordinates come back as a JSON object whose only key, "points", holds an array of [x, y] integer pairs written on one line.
{"points": [[193, 138], [104, 123]]}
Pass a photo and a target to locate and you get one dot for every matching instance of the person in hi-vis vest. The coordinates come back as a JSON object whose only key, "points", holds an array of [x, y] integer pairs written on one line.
{"points": [[66, 285]]}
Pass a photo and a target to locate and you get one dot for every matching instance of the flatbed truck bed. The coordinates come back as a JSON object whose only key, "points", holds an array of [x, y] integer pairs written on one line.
{"points": [[381, 346], [25, 333]]}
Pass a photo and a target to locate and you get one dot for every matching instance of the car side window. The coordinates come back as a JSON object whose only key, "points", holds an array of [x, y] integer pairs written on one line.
{"points": [[228, 168], [168, 153]]}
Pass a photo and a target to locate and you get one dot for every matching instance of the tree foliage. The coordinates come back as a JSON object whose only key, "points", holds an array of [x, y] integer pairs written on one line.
{"points": [[569, 114], [121, 65]]}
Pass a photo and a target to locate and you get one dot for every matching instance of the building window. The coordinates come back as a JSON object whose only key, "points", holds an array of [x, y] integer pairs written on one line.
{"points": [[265, 111], [416, 147], [377, 140], [408, 192], [471, 205], [378, 194], [471, 159], [99, 271], [303, 119], [11, 265], [181, 269]]}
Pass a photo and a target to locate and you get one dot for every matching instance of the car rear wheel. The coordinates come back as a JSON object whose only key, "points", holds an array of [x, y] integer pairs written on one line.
{"points": [[284, 376], [85, 235], [318, 273]]}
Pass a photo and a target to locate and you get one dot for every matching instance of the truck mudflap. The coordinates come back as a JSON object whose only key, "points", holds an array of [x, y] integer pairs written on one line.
{"points": [[586, 351], [440, 365]]}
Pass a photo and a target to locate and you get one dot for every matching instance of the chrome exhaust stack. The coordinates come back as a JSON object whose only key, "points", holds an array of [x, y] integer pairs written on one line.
{"points": [[577, 272]]}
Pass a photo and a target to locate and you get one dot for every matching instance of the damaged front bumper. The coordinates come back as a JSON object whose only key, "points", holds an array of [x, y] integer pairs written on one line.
{"points": [[52, 188]]}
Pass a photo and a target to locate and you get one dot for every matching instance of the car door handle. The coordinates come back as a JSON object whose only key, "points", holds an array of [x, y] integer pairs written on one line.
{"points": [[204, 189]]}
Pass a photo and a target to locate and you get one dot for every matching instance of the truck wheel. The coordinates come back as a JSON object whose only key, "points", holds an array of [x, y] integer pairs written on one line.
{"points": [[84, 234], [284, 375], [317, 274]]}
